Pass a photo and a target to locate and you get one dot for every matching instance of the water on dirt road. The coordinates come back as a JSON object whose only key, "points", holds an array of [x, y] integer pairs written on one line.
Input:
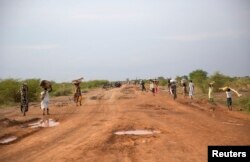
{"points": [[137, 132], [44, 123], [8, 139]]}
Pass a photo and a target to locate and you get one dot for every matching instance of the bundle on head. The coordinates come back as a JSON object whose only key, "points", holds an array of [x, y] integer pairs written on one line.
{"points": [[77, 81], [46, 84]]}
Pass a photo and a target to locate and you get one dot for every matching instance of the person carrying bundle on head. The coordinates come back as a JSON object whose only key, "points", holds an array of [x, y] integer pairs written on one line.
{"points": [[77, 93], [47, 87], [229, 96], [173, 88]]}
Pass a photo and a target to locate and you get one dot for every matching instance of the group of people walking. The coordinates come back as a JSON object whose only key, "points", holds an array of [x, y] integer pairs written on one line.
{"points": [[188, 89], [47, 87]]}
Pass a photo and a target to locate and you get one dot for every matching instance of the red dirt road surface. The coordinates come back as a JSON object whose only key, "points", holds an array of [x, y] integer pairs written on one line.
{"points": [[86, 133]]}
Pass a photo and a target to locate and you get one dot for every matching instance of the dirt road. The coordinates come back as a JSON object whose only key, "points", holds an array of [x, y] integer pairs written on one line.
{"points": [[86, 133]]}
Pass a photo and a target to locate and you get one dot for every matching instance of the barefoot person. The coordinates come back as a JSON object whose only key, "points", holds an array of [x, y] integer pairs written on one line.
{"points": [[45, 101], [24, 98]]}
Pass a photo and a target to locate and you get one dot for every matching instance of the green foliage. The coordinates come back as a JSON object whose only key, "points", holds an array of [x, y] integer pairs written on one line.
{"points": [[220, 80], [198, 75], [245, 103], [199, 78], [62, 89], [162, 81], [33, 89], [93, 84], [242, 84], [9, 90]]}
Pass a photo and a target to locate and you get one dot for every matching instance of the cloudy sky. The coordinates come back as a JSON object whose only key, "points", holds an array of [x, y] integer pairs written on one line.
{"points": [[63, 40]]}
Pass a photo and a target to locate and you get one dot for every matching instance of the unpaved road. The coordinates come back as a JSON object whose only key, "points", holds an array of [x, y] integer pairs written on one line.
{"points": [[86, 133]]}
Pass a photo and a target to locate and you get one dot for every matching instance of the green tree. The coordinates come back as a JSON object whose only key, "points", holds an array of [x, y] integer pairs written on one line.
{"points": [[9, 91], [162, 81], [220, 80], [199, 78]]}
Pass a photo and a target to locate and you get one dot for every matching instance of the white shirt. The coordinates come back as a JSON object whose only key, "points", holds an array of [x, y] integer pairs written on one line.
{"points": [[191, 86], [46, 97], [229, 94], [151, 86], [210, 91]]}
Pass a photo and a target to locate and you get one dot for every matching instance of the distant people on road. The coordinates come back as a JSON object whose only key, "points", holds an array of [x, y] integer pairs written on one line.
{"points": [[184, 87], [173, 88], [143, 88], [152, 87], [24, 98], [191, 89], [78, 94], [45, 101], [210, 91], [169, 84], [156, 82]]}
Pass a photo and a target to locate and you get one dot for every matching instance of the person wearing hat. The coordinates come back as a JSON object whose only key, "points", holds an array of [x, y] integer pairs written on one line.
{"points": [[24, 98]]}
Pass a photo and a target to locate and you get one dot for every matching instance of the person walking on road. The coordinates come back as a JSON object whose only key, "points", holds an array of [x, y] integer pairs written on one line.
{"points": [[24, 98], [78, 95], [184, 87], [173, 89], [152, 87], [45, 101], [229, 96], [210, 92], [143, 88], [191, 89]]}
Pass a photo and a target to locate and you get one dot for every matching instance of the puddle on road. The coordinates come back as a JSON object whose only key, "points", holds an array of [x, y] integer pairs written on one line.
{"points": [[230, 123], [6, 140], [137, 132], [44, 123]]}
